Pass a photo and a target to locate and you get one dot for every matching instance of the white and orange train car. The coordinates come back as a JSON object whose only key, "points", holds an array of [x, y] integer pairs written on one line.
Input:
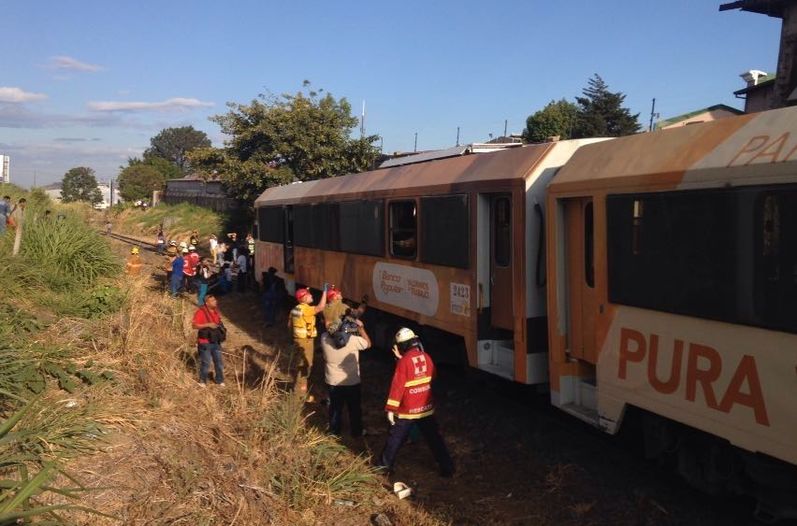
{"points": [[453, 245], [650, 278], [673, 292]]}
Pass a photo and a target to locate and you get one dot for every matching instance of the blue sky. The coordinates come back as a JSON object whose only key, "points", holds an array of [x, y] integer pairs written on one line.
{"points": [[87, 83]]}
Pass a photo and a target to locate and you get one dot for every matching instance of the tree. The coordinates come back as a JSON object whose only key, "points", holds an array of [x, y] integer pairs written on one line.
{"points": [[601, 112], [173, 144], [556, 118], [275, 140], [138, 181], [80, 184]]}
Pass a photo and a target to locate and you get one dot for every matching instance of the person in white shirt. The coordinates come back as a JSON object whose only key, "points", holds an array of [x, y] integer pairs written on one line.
{"points": [[241, 262], [342, 373]]}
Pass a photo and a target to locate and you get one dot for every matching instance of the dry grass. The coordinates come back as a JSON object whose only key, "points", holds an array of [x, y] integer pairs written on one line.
{"points": [[179, 454]]}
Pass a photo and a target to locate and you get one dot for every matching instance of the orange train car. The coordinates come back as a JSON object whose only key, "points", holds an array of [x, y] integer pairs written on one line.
{"points": [[452, 245], [672, 298]]}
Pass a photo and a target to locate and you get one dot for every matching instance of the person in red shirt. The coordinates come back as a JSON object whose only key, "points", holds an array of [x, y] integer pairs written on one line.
{"points": [[410, 402], [207, 320]]}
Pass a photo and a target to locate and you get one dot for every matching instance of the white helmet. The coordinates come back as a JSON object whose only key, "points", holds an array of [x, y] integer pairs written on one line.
{"points": [[191, 247], [183, 244], [406, 339]]}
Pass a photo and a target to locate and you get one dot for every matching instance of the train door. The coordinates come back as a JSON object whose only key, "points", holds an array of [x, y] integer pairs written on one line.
{"points": [[288, 240], [581, 294], [501, 291]]}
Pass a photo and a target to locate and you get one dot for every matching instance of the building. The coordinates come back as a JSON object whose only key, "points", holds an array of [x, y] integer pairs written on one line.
{"points": [[53, 191], [712, 113], [765, 92], [5, 172], [197, 191]]}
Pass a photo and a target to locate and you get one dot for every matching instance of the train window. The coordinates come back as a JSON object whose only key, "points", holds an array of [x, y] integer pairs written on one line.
{"points": [[589, 246], [304, 227], [327, 221], [271, 221], [775, 213], [674, 252], [445, 230], [362, 227], [502, 231], [403, 229]]}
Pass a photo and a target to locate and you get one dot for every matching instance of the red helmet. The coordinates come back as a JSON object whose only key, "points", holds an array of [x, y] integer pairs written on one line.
{"points": [[333, 293], [301, 293]]}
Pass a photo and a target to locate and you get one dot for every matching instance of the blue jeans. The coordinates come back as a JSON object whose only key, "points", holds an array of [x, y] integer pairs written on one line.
{"points": [[200, 297], [176, 283], [208, 351]]}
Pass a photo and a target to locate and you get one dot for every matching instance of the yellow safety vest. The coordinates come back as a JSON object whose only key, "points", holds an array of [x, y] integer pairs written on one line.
{"points": [[303, 321]]}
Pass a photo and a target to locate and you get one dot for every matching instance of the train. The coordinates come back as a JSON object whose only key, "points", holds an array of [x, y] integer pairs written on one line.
{"points": [[648, 279]]}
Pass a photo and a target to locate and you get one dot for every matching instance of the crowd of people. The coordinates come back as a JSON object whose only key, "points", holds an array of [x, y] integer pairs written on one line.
{"points": [[329, 325]]}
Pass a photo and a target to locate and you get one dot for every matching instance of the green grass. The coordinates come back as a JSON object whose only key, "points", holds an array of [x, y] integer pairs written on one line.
{"points": [[63, 269], [178, 220]]}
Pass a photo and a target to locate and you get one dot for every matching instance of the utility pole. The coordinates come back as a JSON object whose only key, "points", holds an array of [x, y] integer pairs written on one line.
{"points": [[415, 148], [362, 122], [110, 198], [20, 210], [653, 114], [457, 135], [506, 123]]}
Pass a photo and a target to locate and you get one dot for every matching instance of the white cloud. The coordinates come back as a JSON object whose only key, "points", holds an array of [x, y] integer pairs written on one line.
{"points": [[72, 64], [15, 95], [174, 104]]}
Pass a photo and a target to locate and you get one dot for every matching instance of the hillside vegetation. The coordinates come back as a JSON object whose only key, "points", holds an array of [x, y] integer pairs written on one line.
{"points": [[102, 420]]}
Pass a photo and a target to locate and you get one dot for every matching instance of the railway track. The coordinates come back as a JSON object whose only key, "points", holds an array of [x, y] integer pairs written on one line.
{"points": [[131, 241]]}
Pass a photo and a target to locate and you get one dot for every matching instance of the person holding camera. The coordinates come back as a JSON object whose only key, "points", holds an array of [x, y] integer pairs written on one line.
{"points": [[342, 372], [211, 334]]}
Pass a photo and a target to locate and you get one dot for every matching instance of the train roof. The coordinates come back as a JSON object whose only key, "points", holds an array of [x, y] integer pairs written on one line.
{"points": [[749, 149], [450, 175]]}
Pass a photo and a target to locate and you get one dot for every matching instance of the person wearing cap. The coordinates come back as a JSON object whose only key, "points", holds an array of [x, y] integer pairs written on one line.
{"points": [[302, 322], [335, 308], [194, 239], [410, 402], [133, 264], [342, 377], [189, 269]]}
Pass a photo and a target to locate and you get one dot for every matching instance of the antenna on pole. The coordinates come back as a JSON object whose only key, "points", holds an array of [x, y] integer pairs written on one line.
{"points": [[362, 122], [653, 114], [457, 135]]}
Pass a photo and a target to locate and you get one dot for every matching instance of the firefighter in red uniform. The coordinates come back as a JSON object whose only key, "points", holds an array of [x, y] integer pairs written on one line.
{"points": [[410, 402]]}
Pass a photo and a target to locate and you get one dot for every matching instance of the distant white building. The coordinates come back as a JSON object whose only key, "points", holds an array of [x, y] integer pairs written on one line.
{"points": [[5, 172], [54, 192]]}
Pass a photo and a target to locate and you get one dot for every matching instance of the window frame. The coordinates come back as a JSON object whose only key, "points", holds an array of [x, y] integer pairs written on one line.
{"points": [[391, 229]]}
